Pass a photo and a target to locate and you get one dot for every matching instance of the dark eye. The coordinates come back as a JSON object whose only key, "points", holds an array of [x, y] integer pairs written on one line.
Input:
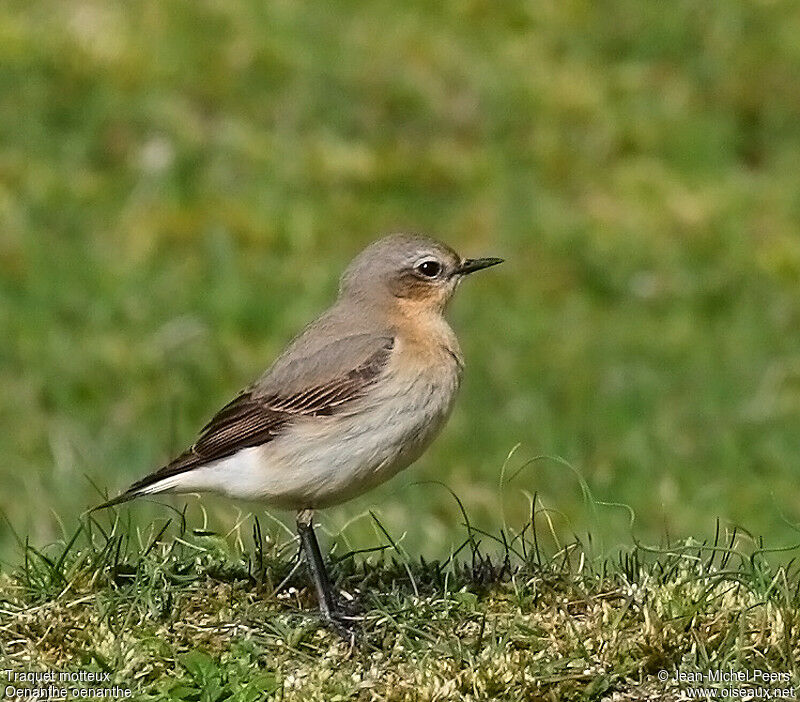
{"points": [[430, 269]]}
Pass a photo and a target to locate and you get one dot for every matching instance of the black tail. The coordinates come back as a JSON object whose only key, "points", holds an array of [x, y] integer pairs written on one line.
{"points": [[124, 497], [185, 462]]}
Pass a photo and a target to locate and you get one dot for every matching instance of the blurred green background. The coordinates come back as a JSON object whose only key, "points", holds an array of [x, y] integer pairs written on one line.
{"points": [[182, 181]]}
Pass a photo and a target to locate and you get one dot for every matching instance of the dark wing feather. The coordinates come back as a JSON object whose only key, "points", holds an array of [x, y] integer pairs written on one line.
{"points": [[252, 419]]}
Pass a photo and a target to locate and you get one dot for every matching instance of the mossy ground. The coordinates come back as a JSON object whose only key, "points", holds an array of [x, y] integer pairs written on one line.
{"points": [[196, 616]]}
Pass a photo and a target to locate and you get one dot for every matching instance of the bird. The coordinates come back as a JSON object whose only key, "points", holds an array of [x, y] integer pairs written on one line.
{"points": [[355, 397]]}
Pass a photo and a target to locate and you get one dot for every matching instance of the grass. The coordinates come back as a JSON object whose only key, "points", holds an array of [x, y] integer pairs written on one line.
{"points": [[195, 615], [182, 182]]}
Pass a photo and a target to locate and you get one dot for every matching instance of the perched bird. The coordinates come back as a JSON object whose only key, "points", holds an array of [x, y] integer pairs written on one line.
{"points": [[356, 397]]}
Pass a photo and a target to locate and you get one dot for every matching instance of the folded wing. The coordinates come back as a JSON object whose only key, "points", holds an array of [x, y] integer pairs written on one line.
{"points": [[260, 413]]}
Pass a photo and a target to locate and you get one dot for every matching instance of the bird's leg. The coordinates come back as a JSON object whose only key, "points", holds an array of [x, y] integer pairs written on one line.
{"points": [[327, 602]]}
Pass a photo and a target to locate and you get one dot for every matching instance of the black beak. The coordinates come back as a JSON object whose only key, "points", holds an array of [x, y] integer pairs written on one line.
{"points": [[470, 265]]}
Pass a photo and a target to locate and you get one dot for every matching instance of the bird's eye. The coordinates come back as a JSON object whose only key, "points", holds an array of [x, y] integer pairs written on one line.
{"points": [[430, 269]]}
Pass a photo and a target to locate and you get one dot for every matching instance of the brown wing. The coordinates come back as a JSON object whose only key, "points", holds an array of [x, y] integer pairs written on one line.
{"points": [[252, 419]]}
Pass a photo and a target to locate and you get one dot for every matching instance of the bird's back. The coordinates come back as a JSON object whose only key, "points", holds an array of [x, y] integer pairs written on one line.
{"points": [[335, 343]]}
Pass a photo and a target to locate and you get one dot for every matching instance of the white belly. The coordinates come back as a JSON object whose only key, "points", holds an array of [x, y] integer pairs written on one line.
{"points": [[322, 461]]}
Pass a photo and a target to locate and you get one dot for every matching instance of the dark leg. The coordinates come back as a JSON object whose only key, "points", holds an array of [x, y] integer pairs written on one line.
{"points": [[327, 602]]}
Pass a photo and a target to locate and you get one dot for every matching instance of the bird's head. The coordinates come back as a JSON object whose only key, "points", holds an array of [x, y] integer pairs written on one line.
{"points": [[414, 272]]}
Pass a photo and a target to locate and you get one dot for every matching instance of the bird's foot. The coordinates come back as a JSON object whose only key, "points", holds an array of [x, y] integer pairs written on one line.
{"points": [[345, 627], [341, 620]]}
